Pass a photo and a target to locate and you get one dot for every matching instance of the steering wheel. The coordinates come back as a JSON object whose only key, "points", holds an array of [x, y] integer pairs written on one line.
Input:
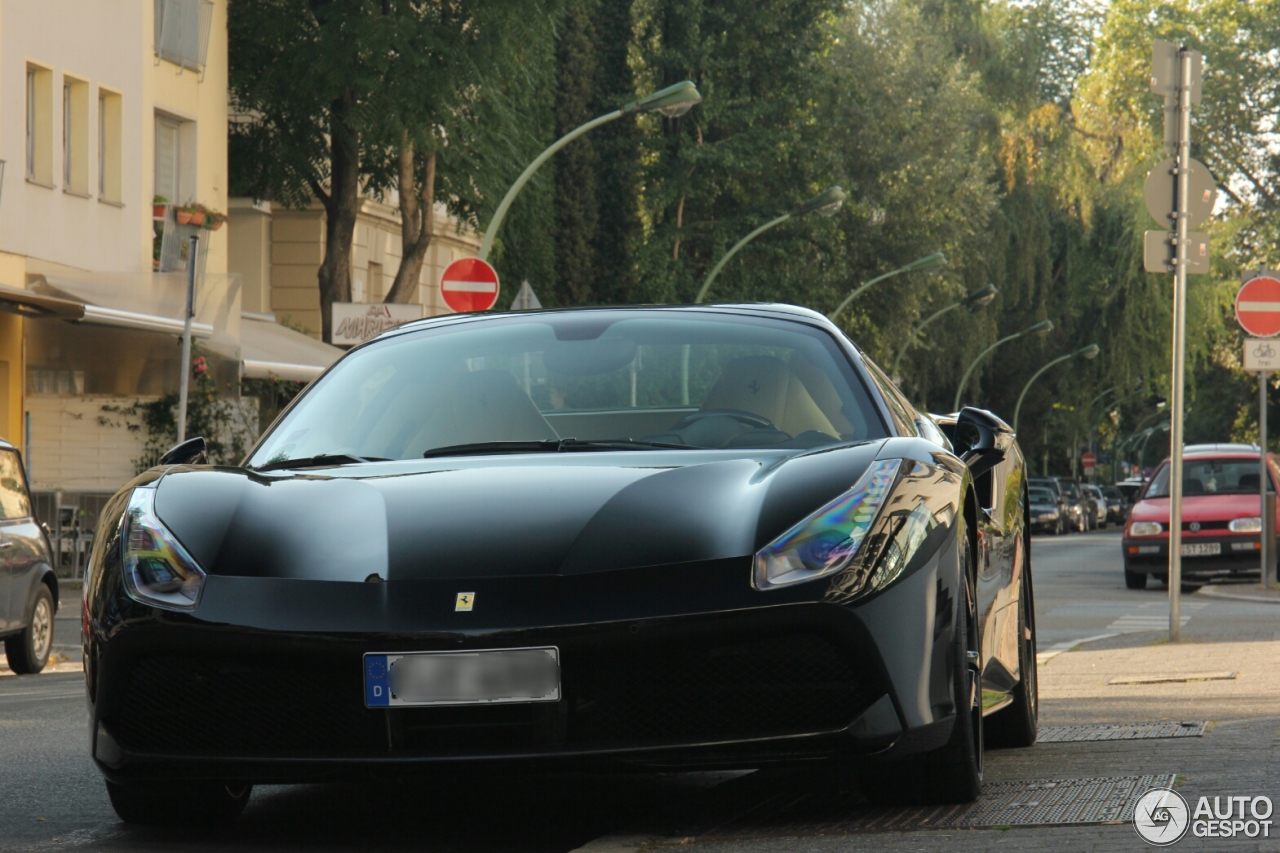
{"points": [[750, 419]]}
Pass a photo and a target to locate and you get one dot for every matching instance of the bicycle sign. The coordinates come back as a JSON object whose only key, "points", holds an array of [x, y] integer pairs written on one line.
{"points": [[1261, 354]]}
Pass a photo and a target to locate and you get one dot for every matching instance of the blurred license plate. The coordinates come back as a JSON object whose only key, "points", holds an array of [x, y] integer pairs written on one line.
{"points": [[462, 678], [1202, 549]]}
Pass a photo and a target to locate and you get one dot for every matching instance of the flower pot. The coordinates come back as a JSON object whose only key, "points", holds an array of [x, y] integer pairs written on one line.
{"points": [[157, 210], [216, 225], [197, 218], [183, 217]]}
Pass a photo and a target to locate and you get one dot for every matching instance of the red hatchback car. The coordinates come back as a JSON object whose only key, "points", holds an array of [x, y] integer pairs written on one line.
{"points": [[1221, 521]]}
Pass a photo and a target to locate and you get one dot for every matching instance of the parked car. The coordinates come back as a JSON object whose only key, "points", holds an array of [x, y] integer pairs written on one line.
{"points": [[1130, 489], [1221, 519], [28, 587], [1044, 512], [711, 535], [1069, 512], [1100, 514], [1117, 506]]}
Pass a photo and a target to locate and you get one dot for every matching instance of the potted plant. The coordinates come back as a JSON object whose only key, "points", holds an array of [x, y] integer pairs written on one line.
{"points": [[213, 219], [184, 214], [158, 205], [198, 213]]}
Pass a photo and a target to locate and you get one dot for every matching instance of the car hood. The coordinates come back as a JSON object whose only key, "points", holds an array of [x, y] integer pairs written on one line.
{"points": [[497, 516], [1198, 508]]}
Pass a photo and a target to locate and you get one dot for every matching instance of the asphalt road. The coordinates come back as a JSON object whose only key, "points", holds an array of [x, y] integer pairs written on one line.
{"points": [[51, 796]]}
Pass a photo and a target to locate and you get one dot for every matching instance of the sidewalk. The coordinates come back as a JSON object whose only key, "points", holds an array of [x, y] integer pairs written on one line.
{"points": [[1242, 592]]}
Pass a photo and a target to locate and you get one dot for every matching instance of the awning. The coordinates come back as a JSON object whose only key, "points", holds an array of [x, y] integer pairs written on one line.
{"points": [[63, 303], [269, 349], [15, 300]]}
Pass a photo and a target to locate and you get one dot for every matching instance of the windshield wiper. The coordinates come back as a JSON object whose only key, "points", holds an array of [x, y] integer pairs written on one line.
{"points": [[317, 461], [557, 445]]}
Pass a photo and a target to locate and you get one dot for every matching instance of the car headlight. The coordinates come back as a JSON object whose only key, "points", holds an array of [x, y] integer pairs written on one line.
{"points": [[1146, 528], [827, 541], [157, 569], [1246, 525]]}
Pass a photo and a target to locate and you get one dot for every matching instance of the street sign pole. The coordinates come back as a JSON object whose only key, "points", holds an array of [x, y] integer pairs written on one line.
{"points": [[1264, 554], [185, 381], [1179, 346]]}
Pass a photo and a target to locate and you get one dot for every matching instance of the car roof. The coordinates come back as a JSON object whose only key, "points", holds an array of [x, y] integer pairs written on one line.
{"points": [[6, 445], [1220, 448]]}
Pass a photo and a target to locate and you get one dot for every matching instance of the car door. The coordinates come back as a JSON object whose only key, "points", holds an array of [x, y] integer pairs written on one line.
{"points": [[20, 543]]}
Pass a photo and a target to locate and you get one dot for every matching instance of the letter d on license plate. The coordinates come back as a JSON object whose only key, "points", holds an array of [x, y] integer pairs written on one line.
{"points": [[462, 678]]}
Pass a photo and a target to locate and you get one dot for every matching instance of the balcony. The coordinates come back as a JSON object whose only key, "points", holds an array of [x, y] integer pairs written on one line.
{"points": [[182, 32]]}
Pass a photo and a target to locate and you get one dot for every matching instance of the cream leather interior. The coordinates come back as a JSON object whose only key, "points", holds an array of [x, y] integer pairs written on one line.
{"points": [[766, 386], [486, 405]]}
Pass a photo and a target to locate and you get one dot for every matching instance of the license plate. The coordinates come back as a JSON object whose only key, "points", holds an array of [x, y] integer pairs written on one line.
{"points": [[1202, 549], [491, 676]]}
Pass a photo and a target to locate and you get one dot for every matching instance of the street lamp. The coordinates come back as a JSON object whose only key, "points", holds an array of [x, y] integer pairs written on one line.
{"points": [[1142, 451], [1042, 328], [981, 297], [1089, 353], [671, 102], [825, 203], [928, 262]]}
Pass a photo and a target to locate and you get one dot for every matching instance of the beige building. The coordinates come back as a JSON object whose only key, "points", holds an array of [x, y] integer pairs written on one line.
{"points": [[104, 107], [278, 251]]}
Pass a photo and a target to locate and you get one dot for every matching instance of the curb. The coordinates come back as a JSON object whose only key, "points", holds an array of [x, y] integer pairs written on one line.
{"points": [[1256, 599]]}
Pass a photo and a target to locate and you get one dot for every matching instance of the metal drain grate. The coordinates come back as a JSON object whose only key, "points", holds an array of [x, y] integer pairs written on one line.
{"points": [[1059, 802], [1129, 731]]}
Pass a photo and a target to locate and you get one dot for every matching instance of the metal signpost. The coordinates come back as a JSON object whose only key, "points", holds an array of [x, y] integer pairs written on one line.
{"points": [[1175, 75], [1258, 313], [185, 382]]}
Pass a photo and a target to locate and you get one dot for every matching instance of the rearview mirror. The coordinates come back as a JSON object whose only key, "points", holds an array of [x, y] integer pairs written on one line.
{"points": [[191, 451], [981, 439]]}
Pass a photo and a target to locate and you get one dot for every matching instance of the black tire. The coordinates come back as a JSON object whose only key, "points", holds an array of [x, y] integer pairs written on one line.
{"points": [[28, 652], [952, 773], [1016, 725], [1135, 580], [153, 804], [1188, 588]]}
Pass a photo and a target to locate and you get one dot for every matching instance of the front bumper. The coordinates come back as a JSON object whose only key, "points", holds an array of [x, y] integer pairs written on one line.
{"points": [[264, 681], [1239, 556]]}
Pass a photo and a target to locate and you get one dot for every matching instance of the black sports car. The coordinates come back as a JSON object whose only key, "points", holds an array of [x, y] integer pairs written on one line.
{"points": [[669, 537]]}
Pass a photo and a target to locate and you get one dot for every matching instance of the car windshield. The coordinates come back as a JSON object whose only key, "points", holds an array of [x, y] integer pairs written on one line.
{"points": [[1040, 496], [526, 384], [1210, 477], [1071, 490]]}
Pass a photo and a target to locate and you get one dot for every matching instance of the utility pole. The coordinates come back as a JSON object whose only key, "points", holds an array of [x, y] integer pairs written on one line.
{"points": [[1175, 75]]}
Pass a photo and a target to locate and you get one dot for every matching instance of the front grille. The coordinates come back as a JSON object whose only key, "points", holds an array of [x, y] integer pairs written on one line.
{"points": [[682, 692], [620, 691], [1206, 525]]}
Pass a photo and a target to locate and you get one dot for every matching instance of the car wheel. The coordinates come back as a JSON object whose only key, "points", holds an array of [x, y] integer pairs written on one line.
{"points": [[1188, 588], [1135, 580], [1017, 724], [159, 803], [28, 652], [953, 773]]}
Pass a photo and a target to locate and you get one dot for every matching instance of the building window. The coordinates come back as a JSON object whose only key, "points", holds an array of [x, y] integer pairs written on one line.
{"points": [[40, 125], [75, 136], [182, 31], [375, 291], [174, 163], [110, 128]]}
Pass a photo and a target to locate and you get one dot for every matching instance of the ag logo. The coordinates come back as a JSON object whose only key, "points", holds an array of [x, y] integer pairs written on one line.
{"points": [[1161, 816], [464, 601]]}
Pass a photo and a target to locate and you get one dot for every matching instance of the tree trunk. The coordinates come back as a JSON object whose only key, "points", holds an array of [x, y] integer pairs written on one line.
{"points": [[417, 205], [341, 205]]}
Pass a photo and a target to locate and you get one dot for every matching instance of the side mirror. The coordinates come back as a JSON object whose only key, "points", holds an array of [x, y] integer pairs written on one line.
{"points": [[191, 451], [981, 439]]}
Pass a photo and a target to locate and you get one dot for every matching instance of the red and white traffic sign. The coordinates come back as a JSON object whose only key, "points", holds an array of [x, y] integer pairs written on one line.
{"points": [[1089, 460], [469, 284], [1258, 306]]}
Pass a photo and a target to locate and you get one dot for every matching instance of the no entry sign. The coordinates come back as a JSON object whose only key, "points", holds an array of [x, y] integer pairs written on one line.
{"points": [[1258, 305], [469, 284], [1089, 460]]}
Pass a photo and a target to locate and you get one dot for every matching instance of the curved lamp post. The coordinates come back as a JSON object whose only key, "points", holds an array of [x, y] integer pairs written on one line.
{"points": [[1090, 352], [825, 203], [928, 262], [671, 102], [1146, 436], [979, 298], [1042, 328]]}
